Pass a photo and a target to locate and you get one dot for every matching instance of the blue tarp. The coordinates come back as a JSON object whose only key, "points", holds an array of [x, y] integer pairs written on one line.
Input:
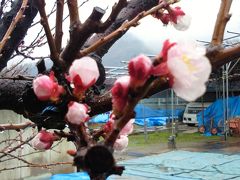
{"points": [[153, 117], [147, 112], [212, 116], [101, 118], [174, 165]]}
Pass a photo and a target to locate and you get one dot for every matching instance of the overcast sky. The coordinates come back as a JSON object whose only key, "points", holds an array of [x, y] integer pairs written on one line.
{"points": [[203, 13]]}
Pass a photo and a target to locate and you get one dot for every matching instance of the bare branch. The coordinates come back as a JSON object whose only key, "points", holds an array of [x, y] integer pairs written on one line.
{"points": [[44, 21], [13, 24], [115, 11], [221, 22], [17, 147], [73, 12], [124, 27], [46, 166], [59, 21], [16, 127]]}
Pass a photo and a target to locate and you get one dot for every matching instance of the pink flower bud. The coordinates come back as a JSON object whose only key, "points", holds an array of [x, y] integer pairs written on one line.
{"points": [[128, 128], [164, 17], [179, 19], [162, 68], [120, 93], [121, 143], [83, 73], [43, 140], [109, 125], [139, 70], [45, 88], [77, 113]]}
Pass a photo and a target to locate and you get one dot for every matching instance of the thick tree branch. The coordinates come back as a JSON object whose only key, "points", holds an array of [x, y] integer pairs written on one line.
{"points": [[79, 33], [73, 12], [221, 22], [44, 21], [133, 8], [122, 29], [223, 56], [13, 24], [115, 11], [20, 30]]}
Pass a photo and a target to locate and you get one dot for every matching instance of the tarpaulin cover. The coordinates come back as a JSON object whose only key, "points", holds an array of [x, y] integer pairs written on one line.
{"points": [[174, 165], [152, 117], [183, 165], [212, 116]]}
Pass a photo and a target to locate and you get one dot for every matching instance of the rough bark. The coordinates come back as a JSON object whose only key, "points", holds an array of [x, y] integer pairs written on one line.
{"points": [[133, 8], [20, 30]]}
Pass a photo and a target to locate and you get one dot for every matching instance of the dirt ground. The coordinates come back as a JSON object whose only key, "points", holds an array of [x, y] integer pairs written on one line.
{"points": [[218, 145]]}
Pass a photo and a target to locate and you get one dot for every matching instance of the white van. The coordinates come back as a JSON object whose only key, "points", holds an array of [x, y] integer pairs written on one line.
{"points": [[191, 111]]}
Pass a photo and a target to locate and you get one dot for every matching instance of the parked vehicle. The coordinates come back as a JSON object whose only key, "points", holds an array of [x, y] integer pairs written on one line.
{"points": [[191, 111]]}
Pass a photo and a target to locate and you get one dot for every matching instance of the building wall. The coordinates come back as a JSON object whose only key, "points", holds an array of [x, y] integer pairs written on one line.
{"points": [[57, 154]]}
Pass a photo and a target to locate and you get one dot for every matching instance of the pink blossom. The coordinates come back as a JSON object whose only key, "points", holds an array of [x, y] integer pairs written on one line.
{"points": [[121, 143], [43, 140], [176, 16], [179, 19], [164, 17], [128, 128], [120, 93], [162, 68], [45, 88], [83, 73], [77, 113], [190, 69], [108, 127], [139, 70]]}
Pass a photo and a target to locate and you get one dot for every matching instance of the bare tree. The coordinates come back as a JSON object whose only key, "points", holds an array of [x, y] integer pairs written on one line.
{"points": [[93, 38]]}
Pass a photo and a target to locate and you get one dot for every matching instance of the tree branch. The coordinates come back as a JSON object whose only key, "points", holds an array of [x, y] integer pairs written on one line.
{"points": [[20, 30], [122, 29], [44, 21], [73, 12], [79, 33], [133, 8], [13, 24], [16, 127], [221, 22], [59, 21]]}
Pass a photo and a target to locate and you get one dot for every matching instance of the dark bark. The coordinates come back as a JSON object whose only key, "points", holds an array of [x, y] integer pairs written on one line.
{"points": [[18, 96], [11, 92], [20, 30], [133, 8]]}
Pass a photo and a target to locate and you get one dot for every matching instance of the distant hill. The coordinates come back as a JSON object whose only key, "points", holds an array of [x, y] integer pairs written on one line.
{"points": [[124, 49]]}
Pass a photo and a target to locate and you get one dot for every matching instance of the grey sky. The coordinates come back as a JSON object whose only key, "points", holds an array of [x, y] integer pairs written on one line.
{"points": [[151, 31]]}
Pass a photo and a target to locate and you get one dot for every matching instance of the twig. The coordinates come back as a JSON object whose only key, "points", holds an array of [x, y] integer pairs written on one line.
{"points": [[221, 22], [18, 146], [1, 8], [51, 43], [13, 24], [37, 166], [124, 27], [24, 78], [16, 127], [58, 29]]}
